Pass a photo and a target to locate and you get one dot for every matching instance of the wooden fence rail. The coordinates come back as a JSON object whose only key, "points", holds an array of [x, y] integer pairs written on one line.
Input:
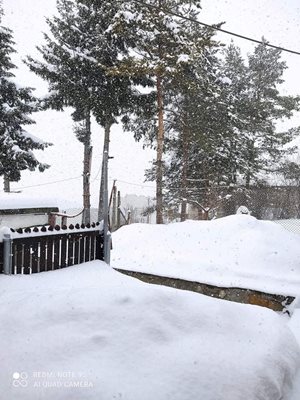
{"points": [[48, 249]]}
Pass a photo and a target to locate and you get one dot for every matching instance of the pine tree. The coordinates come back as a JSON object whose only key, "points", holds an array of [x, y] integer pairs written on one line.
{"points": [[160, 43], [77, 57], [225, 123], [16, 106], [197, 161], [265, 145]]}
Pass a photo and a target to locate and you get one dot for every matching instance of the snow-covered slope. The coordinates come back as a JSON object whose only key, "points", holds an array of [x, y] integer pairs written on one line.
{"points": [[235, 251], [294, 324], [114, 337]]}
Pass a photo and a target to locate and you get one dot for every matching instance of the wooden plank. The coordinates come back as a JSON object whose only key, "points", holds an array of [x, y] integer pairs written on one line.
{"points": [[19, 257], [93, 246], [63, 251], [43, 243], [81, 248], [56, 250], [14, 258], [49, 262], [99, 247], [87, 247], [70, 250], [27, 258], [35, 256], [76, 249], [1, 258]]}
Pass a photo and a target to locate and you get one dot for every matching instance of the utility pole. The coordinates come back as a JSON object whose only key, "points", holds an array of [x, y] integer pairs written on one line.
{"points": [[103, 198]]}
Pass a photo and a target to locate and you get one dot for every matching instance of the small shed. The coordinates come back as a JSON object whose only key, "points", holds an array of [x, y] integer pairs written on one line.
{"points": [[18, 211]]}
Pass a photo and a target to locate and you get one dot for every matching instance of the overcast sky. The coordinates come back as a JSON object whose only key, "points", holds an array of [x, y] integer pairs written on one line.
{"points": [[277, 20]]}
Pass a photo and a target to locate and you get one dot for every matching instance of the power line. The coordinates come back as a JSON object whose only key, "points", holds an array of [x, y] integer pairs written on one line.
{"points": [[97, 174], [46, 183], [215, 27], [135, 184], [170, 187]]}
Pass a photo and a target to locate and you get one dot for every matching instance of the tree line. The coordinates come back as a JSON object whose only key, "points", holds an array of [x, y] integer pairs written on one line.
{"points": [[209, 112]]}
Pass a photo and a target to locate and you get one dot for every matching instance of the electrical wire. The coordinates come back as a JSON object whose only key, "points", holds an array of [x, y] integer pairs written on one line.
{"points": [[135, 184], [45, 184], [215, 27]]}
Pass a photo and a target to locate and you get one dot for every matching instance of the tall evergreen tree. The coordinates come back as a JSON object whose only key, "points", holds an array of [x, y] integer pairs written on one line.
{"points": [[265, 145], [16, 106], [77, 57], [198, 157], [159, 43], [230, 136]]}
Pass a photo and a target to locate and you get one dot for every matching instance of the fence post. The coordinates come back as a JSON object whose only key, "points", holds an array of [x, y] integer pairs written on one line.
{"points": [[107, 260], [7, 261], [128, 217], [114, 209], [118, 210], [64, 219]]}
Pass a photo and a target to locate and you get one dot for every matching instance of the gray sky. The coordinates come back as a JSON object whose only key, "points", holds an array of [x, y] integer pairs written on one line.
{"points": [[277, 20]]}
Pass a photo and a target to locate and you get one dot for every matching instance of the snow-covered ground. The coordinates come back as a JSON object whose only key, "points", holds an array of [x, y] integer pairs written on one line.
{"points": [[113, 337], [235, 251], [292, 225], [294, 324]]}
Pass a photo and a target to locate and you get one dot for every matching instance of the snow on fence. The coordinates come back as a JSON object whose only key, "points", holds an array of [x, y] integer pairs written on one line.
{"points": [[27, 251]]}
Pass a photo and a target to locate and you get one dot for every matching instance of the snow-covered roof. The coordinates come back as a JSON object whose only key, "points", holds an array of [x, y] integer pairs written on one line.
{"points": [[15, 201]]}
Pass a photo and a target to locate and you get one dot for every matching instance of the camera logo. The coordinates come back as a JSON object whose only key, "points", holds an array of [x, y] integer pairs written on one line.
{"points": [[20, 379]]}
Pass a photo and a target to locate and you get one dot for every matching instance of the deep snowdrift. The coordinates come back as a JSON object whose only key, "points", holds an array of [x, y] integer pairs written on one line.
{"points": [[294, 324], [235, 251], [124, 339]]}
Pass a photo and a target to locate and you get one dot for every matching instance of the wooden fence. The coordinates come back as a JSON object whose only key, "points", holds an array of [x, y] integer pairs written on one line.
{"points": [[50, 248]]}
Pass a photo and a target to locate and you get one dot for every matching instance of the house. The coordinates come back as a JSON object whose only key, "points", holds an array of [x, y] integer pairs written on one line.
{"points": [[18, 211]]}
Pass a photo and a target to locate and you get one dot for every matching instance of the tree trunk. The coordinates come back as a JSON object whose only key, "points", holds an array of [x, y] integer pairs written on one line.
{"points": [[205, 215], [105, 149], [6, 184], [159, 153], [87, 162], [185, 159], [251, 159]]}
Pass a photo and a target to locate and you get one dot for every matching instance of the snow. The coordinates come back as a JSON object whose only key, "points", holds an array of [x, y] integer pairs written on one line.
{"points": [[22, 200], [183, 58], [19, 200], [292, 225], [294, 325], [235, 251], [114, 337], [33, 138], [226, 80], [15, 235]]}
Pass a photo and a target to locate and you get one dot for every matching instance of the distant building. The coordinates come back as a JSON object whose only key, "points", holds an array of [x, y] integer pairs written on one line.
{"points": [[17, 211]]}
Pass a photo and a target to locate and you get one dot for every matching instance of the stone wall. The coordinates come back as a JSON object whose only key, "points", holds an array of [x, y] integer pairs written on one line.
{"points": [[239, 295]]}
